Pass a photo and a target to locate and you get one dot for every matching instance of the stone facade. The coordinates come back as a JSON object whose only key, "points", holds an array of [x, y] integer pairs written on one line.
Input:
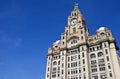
{"points": [[77, 55]]}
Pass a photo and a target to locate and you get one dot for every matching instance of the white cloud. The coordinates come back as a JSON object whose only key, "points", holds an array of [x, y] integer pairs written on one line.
{"points": [[7, 41]]}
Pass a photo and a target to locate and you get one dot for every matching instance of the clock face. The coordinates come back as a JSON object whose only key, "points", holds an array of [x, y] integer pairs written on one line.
{"points": [[73, 22]]}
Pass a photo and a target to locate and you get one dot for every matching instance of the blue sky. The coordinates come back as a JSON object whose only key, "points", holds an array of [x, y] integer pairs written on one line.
{"points": [[29, 27]]}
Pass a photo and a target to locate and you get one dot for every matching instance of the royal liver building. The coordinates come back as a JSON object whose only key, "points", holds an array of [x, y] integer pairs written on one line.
{"points": [[77, 55]]}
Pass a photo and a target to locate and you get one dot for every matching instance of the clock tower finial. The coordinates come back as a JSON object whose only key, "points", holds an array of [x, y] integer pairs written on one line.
{"points": [[76, 4]]}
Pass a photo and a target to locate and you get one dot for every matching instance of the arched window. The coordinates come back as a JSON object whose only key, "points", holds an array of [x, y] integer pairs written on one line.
{"points": [[100, 54], [102, 34], [92, 56], [54, 63]]}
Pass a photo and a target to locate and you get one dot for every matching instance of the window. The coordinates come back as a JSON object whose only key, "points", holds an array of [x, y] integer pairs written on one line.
{"points": [[81, 32], [62, 65], [58, 62], [109, 67], [92, 56], [79, 77], [78, 56], [100, 54], [83, 61], [90, 49], [58, 75], [68, 72], [102, 76], [58, 68], [95, 77], [106, 51], [54, 69], [62, 72], [105, 45], [93, 62], [81, 37], [47, 75], [82, 54], [48, 68], [63, 43], [83, 69], [76, 71], [82, 48], [79, 71], [54, 63], [84, 76], [63, 37], [93, 49], [102, 68], [110, 73], [68, 58], [107, 58], [102, 34], [68, 65], [100, 61], [79, 63], [94, 70], [53, 75], [97, 48]]}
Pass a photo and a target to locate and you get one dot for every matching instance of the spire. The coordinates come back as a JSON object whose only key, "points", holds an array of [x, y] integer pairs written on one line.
{"points": [[76, 10]]}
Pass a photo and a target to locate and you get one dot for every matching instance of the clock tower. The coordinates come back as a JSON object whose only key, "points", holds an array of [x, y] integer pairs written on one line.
{"points": [[76, 28]]}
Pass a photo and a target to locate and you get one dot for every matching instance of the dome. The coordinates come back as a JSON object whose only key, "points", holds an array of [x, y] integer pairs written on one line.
{"points": [[101, 28], [57, 42]]}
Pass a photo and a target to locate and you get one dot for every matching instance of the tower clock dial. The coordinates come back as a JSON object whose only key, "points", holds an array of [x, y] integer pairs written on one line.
{"points": [[73, 22]]}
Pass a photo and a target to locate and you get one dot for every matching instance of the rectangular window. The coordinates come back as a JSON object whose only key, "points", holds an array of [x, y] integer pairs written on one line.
{"points": [[76, 71], [79, 77], [68, 58], [54, 75], [107, 58], [106, 51], [62, 65], [48, 68], [82, 48], [76, 63], [110, 73], [105, 45], [79, 63], [81, 37], [95, 77], [102, 68], [109, 67], [68, 72], [58, 75], [62, 58], [83, 69], [78, 56], [82, 54], [79, 71], [68, 65], [83, 61], [62, 72], [81, 32]]}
